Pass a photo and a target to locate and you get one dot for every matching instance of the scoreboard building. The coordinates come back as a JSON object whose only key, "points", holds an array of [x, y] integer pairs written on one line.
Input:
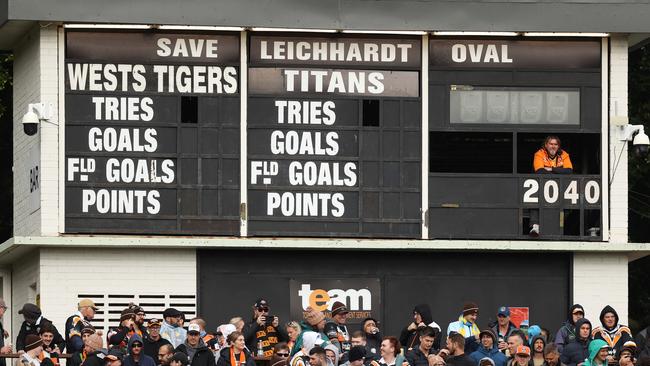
{"points": [[378, 153]]}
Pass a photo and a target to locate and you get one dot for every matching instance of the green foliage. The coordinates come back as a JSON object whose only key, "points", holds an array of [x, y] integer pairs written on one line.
{"points": [[6, 79]]}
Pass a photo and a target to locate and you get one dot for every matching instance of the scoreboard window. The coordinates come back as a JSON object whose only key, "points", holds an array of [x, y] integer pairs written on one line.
{"points": [[492, 103]]}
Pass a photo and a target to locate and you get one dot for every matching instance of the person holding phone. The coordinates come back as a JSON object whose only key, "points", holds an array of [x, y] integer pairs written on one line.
{"points": [[263, 330]]}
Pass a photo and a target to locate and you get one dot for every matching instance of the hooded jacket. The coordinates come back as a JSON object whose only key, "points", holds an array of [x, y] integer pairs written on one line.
{"points": [[577, 351], [615, 336], [409, 338], [594, 348], [567, 332], [532, 348], [224, 358], [201, 354], [144, 359], [493, 353]]}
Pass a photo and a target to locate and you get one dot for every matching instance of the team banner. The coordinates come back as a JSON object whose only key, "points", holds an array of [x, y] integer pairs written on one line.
{"points": [[362, 297]]}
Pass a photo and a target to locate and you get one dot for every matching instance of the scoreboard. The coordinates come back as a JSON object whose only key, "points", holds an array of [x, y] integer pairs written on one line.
{"points": [[333, 135]]}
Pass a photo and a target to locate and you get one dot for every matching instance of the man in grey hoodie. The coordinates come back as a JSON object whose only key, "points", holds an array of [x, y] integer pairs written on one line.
{"points": [[136, 356], [195, 348]]}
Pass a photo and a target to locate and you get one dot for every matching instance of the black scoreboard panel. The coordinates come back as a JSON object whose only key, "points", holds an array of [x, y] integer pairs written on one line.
{"points": [[334, 136], [152, 132], [492, 102]]}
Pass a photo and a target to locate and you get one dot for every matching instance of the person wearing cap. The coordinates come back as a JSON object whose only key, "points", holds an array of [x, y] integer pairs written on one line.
{"points": [[515, 339], [178, 359], [34, 322], [409, 337], [521, 357], [86, 310], [419, 356], [309, 340], [79, 357], [489, 349], [171, 329], [153, 341], [503, 327], [95, 351], [356, 356], [466, 326], [115, 357], [627, 356], [577, 351], [195, 348], [136, 356], [612, 332], [263, 330], [374, 340], [236, 354], [598, 353], [567, 332], [32, 350], [138, 324], [119, 337], [456, 348], [340, 316]]}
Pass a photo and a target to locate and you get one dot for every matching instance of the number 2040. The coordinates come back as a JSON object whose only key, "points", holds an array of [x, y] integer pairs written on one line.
{"points": [[551, 191]]}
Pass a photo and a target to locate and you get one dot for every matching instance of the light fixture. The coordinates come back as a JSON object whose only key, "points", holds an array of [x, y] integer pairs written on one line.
{"points": [[565, 34], [200, 27], [384, 32], [307, 30], [470, 33], [108, 26]]}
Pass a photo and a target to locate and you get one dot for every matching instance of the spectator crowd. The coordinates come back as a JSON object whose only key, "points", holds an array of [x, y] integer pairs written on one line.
{"points": [[317, 340]]}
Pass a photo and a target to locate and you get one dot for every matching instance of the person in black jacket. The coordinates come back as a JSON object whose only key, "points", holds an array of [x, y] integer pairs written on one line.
{"points": [[577, 351], [263, 329], [95, 356], [153, 341], [373, 335], [195, 348], [409, 337], [567, 332], [33, 323], [419, 356], [237, 352]]}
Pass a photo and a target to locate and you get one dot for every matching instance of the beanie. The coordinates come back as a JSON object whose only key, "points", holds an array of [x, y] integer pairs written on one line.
{"points": [[95, 342], [313, 316], [127, 314], [32, 341], [470, 308]]}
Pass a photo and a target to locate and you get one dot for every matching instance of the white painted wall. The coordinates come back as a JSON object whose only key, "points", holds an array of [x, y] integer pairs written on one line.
{"points": [[600, 279], [26, 90], [617, 109], [36, 80], [66, 273], [25, 273]]}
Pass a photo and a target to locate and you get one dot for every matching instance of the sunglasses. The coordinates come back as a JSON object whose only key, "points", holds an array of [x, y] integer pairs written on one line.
{"points": [[283, 354], [263, 309], [136, 345]]}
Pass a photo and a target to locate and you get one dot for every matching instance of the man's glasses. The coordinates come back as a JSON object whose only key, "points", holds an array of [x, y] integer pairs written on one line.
{"points": [[136, 345], [262, 309], [282, 354]]}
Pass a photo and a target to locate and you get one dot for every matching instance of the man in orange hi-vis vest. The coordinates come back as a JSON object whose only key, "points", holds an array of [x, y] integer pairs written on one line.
{"points": [[549, 159]]}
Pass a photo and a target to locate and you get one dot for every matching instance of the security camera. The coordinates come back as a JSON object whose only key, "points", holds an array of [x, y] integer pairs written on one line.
{"points": [[640, 140], [37, 112], [30, 123], [641, 143]]}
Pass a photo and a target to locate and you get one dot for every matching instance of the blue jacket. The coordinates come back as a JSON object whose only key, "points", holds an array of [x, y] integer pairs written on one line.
{"points": [[497, 356], [144, 359]]}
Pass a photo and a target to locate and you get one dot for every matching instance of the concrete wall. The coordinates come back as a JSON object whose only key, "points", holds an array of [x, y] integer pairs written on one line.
{"points": [[618, 111], [25, 287], [599, 280], [67, 273], [36, 80]]}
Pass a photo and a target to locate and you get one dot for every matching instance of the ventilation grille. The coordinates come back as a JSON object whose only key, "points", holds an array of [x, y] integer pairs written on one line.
{"points": [[111, 305]]}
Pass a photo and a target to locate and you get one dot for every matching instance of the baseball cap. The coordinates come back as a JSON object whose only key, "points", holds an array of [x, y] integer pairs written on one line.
{"points": [[523, 350], [153, 323], [87, 303], [261, 303], [171, 312], [504, 311], [193, 328]]}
